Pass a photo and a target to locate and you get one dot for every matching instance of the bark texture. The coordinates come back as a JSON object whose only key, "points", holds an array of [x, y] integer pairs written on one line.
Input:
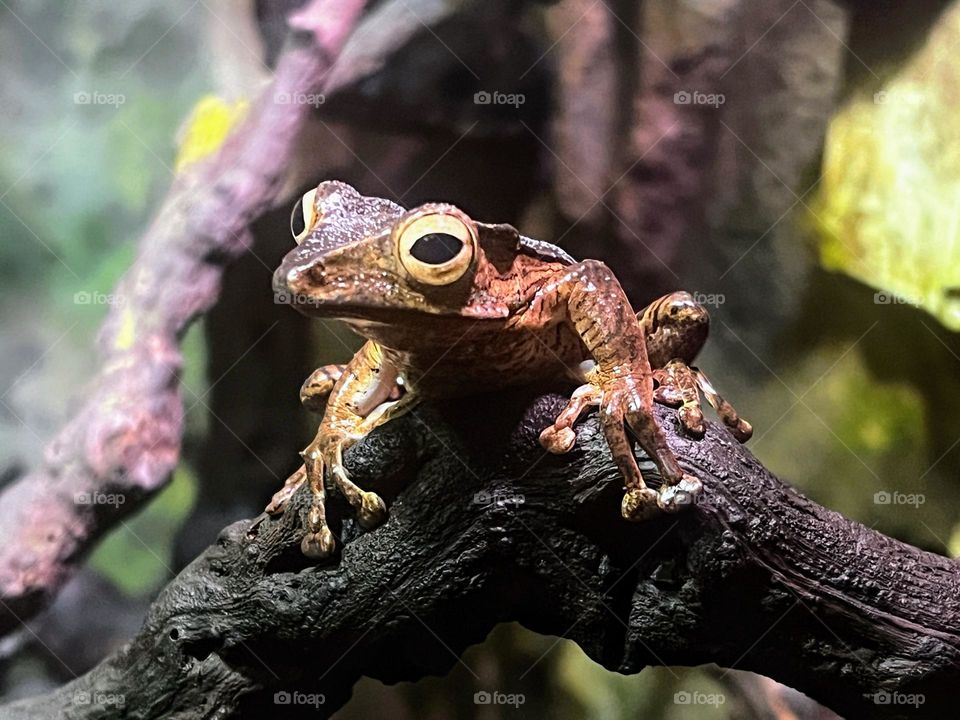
{"points": [[486, 528]]}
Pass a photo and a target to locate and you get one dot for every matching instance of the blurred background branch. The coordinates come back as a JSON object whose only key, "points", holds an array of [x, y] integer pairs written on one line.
{"points": [[123, 443]]}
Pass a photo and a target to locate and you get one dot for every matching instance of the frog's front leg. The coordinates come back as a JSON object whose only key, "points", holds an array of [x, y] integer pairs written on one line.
{"points": [[317, 388], [359, 402], [621, 383]]}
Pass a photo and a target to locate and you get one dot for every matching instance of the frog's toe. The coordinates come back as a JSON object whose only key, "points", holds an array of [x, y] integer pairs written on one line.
{"points": [[639, 504], [281, 498], [741, 429], [278, 503], [372, 511], [558, 440], [318, 545], [673, 498], [691, 418]]}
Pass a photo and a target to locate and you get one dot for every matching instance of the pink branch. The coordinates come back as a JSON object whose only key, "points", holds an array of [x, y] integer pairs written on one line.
{"points": [[122, 445]]}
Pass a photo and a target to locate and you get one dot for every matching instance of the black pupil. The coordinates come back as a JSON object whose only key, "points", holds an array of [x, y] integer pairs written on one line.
{"points": [[297, 224], [436, 248]]}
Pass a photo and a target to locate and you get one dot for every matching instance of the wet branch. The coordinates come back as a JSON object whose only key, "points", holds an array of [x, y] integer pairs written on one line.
{"points": [[485, 528]]}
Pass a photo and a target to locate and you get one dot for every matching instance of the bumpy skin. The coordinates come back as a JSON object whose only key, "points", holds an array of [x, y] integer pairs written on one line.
{"points": [[507, 311]]}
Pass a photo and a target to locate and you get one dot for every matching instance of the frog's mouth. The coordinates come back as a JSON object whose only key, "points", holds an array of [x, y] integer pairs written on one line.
{"points": [[305, 288]]}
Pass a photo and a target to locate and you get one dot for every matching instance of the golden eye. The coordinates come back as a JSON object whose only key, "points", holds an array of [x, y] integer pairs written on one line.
{"points": [[303, 216], [437, 246]]}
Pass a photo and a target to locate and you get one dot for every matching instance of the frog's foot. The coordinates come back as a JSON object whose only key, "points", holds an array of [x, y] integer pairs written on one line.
{"points": [[281, 498], [677, 388], [740, 428], [560, 437], [672, 498], [370, 508], [639, 504], [318, 543], [627, 404], [326, 457], [317, 388]]}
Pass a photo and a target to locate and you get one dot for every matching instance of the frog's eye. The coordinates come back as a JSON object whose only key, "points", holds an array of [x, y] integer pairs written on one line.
{"points": [[303, 216], [436, 248]]}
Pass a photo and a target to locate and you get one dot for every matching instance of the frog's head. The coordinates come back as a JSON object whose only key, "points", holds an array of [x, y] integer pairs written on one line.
{"points": [[368, 259]]}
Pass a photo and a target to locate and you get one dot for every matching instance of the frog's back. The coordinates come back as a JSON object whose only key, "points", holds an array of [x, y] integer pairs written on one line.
{"points": [[530, 342]]}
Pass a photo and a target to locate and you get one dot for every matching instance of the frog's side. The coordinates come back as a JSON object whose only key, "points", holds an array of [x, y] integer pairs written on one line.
{"points": [[451, 306]]}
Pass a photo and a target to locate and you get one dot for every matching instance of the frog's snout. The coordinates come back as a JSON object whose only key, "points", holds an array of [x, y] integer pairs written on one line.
{"points": [[291, 281]]}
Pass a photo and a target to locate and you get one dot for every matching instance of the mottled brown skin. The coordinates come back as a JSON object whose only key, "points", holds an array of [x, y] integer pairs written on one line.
{"points": [[502, 310]]}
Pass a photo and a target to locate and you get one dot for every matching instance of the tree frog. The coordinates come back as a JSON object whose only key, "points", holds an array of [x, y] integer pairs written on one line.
{"points": [[451, 306]]}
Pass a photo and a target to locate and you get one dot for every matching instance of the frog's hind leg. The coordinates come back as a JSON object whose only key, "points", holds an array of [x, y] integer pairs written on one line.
{"points": [[740, 428], [675, 328]]}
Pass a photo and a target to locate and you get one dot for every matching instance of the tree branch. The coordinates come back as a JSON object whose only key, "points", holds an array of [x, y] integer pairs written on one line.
{"points": [[119, 449], [489, 529]]}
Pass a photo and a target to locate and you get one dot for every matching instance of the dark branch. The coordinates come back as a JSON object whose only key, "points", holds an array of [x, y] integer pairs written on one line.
{"points": [[756, 577]]}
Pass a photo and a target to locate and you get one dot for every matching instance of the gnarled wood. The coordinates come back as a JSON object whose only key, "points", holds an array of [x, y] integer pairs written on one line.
{"points": [[487, 529]]}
